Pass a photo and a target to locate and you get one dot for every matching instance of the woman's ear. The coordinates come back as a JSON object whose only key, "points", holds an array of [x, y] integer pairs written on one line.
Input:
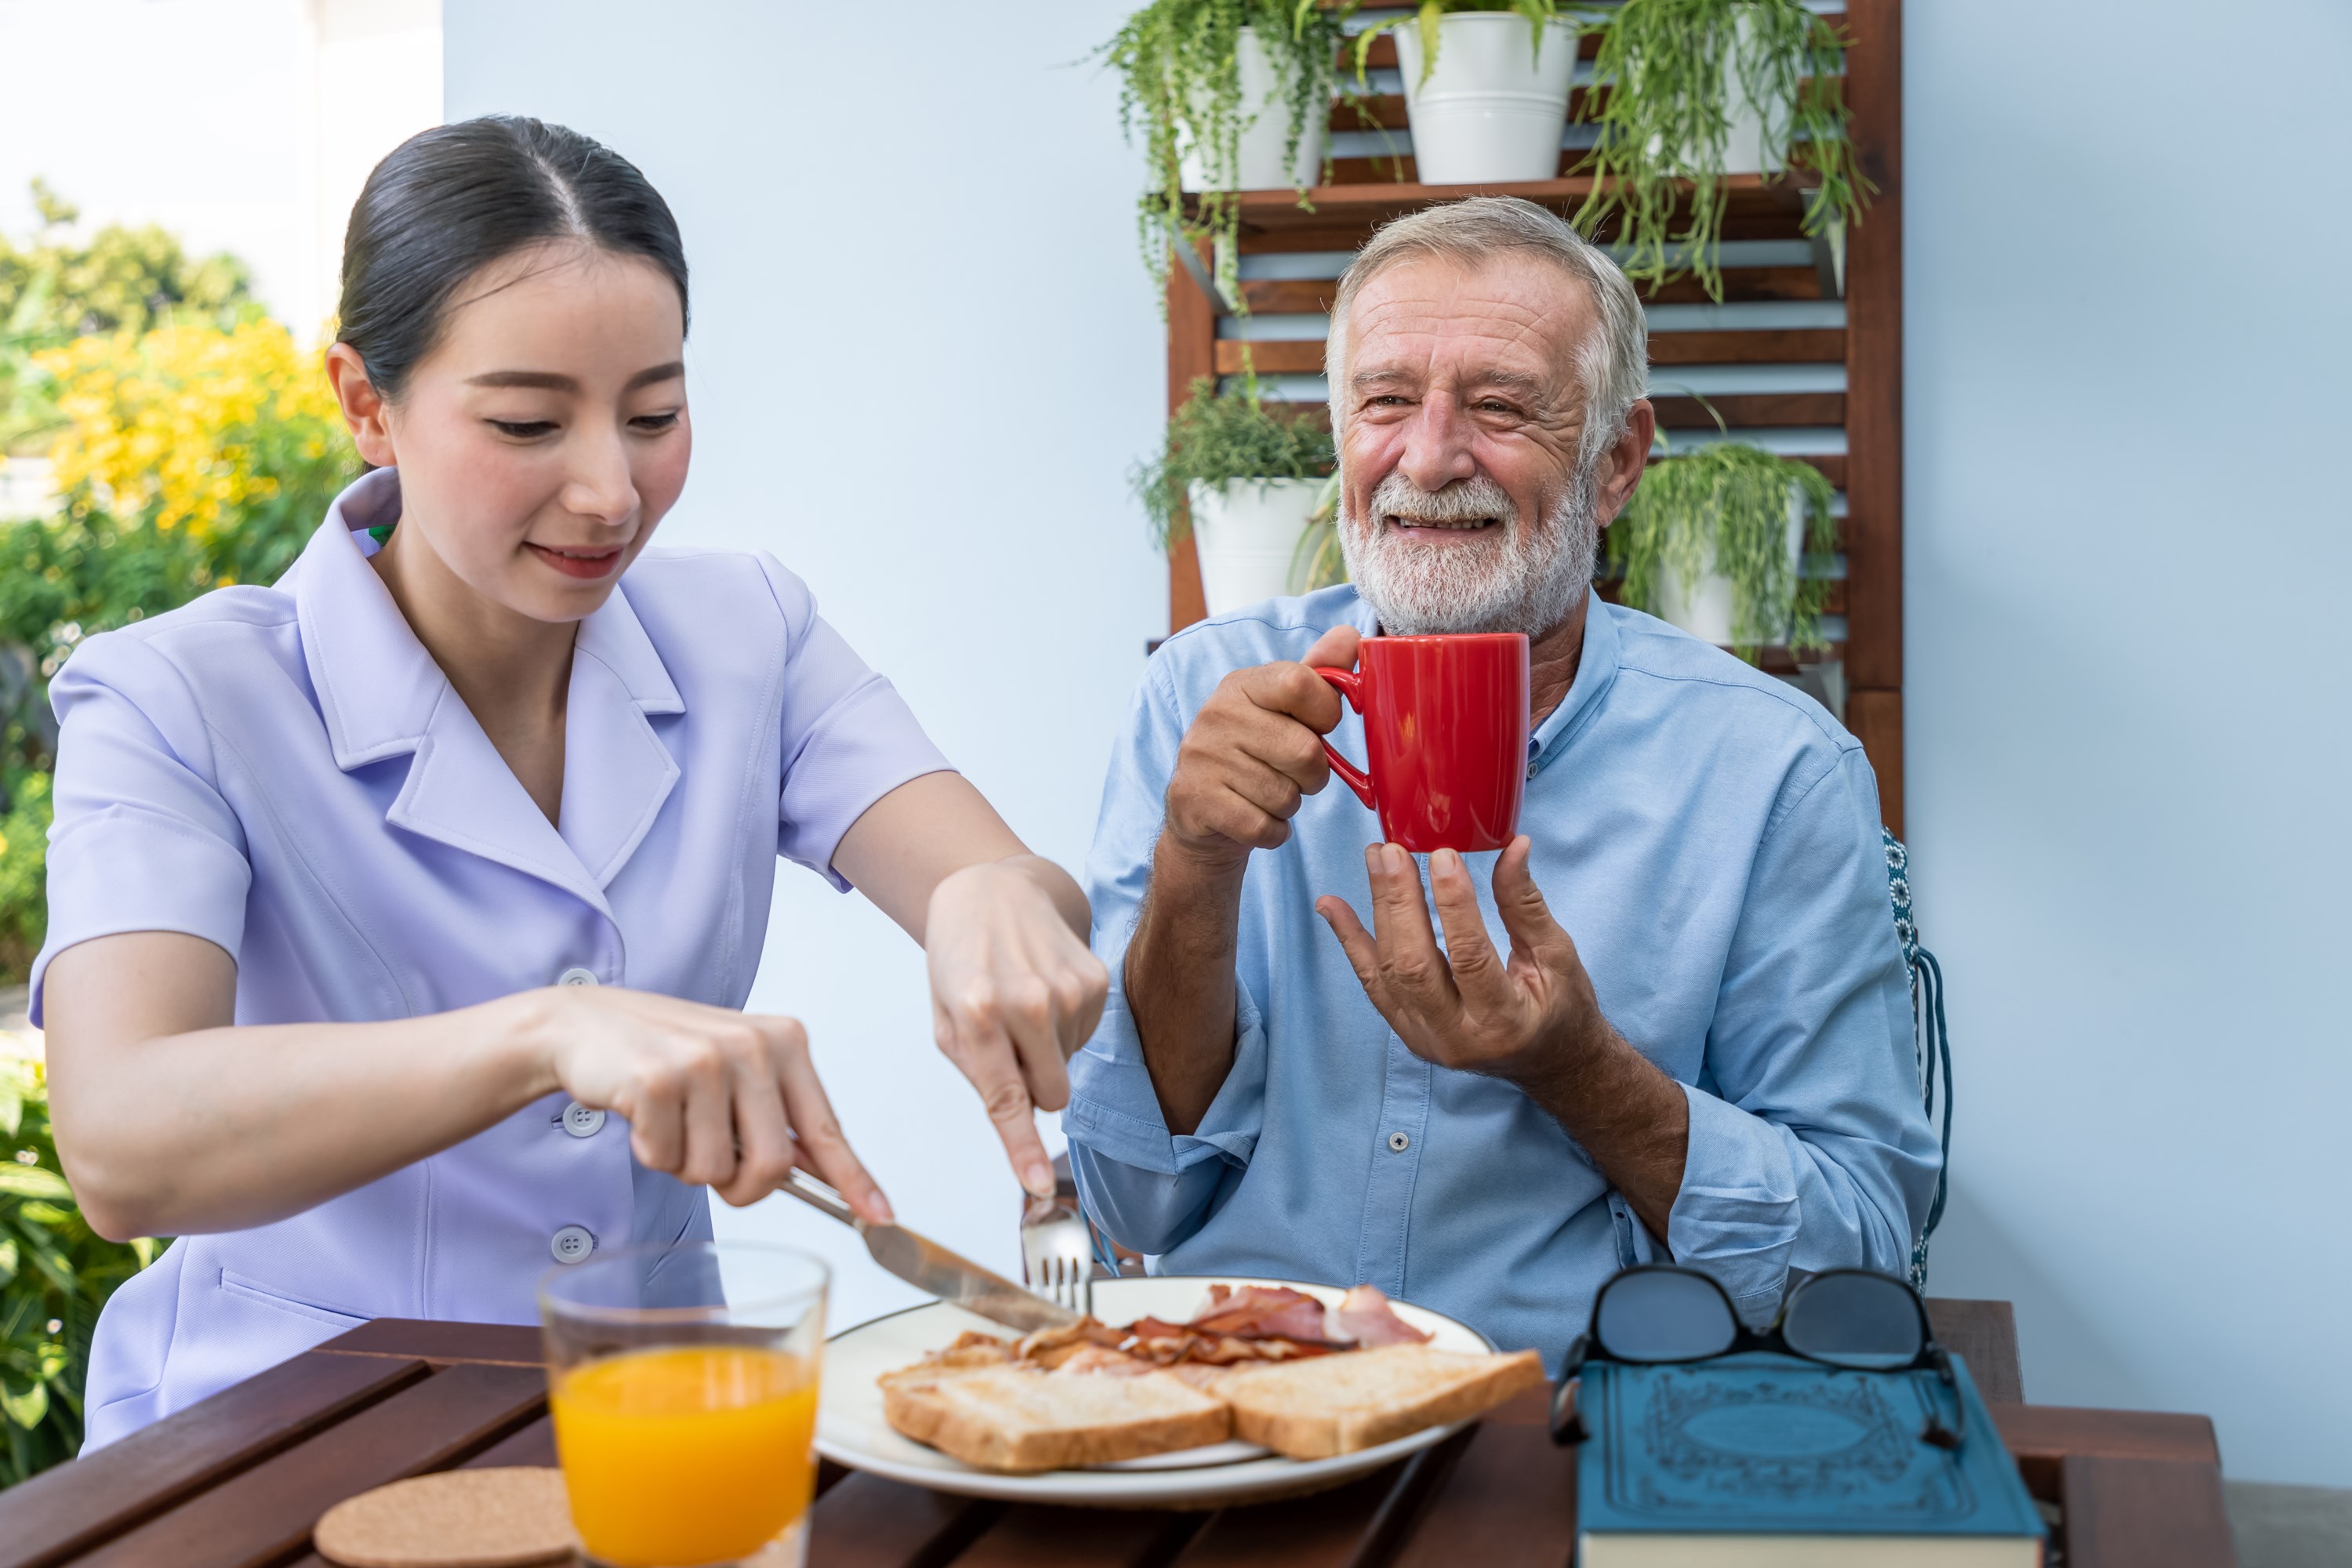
{"points": [[364, 410]]}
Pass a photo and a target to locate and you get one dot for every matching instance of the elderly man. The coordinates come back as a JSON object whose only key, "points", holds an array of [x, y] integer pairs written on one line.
{"points": [[1699, 1045]]}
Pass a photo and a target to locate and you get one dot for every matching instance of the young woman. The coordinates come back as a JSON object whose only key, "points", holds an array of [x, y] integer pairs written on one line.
{"points": [[402, 912]]}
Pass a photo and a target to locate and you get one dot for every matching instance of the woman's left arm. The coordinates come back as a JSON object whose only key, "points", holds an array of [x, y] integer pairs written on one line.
{"points": [[1014, 989]]}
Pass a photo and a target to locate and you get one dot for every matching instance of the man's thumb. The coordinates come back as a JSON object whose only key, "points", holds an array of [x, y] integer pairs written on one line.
{"points": [[1335, 649]]}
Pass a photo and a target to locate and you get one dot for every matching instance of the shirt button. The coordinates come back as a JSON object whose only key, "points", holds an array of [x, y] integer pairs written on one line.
{"points": [[581, 1121], [576, 977], [1399, 1142], [1531, 770], [571, 1243]]}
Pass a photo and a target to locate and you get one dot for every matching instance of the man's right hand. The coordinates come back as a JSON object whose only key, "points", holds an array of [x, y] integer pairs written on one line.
{"points": [[1255, 751]]}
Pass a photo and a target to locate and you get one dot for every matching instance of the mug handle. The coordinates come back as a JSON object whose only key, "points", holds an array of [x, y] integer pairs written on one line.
{"points": [[1351, 686]]}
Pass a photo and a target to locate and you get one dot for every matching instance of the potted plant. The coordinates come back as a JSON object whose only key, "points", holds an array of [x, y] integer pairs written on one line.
{"points": [[1685, 92], [1486, 87], [1715, 542], [1245, 479], [1231, 95]]}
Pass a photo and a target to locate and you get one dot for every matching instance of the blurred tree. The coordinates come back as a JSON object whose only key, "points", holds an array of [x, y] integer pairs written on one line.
{"points": [[53, 290]]}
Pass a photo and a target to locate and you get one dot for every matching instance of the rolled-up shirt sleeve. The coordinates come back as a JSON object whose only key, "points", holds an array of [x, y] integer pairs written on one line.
{"points": [[848, 738], [141, 839], [1148, 1187], [1809, 1147]]}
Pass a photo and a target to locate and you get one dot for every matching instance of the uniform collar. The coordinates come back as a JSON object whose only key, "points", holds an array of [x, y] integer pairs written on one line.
{"points": [[380, 695]]}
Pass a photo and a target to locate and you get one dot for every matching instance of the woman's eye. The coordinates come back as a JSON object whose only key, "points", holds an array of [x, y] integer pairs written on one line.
{"points": [[656, 421], [522, 429]]}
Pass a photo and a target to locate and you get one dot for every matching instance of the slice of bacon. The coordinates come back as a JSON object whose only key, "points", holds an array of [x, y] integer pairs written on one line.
{"points": [[1261, 1312], [1094, 1361], [1365, 1316]]}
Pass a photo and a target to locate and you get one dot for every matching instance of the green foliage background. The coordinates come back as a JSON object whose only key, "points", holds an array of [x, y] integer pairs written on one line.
{"points": [[55, 1275], [85, 568]]}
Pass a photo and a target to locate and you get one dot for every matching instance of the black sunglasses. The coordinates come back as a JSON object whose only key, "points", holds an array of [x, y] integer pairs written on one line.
{"points": [[1853, 1319]]}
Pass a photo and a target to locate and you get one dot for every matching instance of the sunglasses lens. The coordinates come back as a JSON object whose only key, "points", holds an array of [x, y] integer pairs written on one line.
{"points": [[1861, 1320], [1664, 1315]]}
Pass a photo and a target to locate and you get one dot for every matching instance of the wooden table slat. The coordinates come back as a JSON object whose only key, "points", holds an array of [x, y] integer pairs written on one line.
{"points": [[1510, 1501], [867, 1522], [1312, 1531], [2149, 1513], [508, 1344], [533, 1444], [1031, 1536], [76, 1507], [260, 1516], [2058, 1431]]}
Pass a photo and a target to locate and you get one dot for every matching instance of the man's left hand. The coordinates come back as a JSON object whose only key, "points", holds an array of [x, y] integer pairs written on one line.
{"points": [[1528, 1018]]}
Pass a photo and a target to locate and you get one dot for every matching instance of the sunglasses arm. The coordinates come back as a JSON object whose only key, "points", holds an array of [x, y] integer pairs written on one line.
{"points": [[1568, 1427]]}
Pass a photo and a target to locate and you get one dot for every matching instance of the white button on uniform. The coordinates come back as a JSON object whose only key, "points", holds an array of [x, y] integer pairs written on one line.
{"points": [[576, 977], [571, 1243], [1531, 770], [581, 1121], [1400, 1142]]}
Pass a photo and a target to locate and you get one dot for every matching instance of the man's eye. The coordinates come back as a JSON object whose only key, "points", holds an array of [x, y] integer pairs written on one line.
{"points": [[522, 429], [656, 421]]}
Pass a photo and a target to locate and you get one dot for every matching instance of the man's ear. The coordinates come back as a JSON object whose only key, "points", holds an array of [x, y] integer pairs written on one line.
{"points": [[364, 410], [1621, 464]]}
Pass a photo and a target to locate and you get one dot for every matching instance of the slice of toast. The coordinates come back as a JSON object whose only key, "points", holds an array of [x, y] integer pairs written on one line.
{"points": [[1019, 1420], [1337, 1404]]}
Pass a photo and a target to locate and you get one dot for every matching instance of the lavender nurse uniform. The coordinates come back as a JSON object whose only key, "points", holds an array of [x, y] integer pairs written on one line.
{"points": [[285, 772]]}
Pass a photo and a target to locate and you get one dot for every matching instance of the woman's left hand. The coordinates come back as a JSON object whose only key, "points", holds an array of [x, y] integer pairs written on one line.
{"points": [[1014, 994]]}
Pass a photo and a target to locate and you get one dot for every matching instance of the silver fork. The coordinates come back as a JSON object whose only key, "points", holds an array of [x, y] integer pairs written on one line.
{"points": [[1058, 1255]]}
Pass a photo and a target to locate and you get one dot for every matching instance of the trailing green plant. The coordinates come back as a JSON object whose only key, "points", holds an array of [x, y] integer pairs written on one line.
{"points": [[1216, 436], [1319, 561], [1424, 19], [1180, 63], [1724, 508], [55, 1275], [1665, 117]]}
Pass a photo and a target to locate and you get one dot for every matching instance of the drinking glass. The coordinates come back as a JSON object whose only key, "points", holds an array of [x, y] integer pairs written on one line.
{"points": [[683, 1382]]}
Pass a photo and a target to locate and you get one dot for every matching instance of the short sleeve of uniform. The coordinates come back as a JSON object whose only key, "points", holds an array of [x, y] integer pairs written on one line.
{"points": [[849, 738], [141, 840]]}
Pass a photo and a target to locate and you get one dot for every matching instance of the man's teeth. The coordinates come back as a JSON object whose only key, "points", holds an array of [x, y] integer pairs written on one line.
{"points": [[1462, 524]]}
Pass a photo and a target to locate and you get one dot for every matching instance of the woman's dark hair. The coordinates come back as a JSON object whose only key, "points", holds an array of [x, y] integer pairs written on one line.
{"points": [[447, 202]]}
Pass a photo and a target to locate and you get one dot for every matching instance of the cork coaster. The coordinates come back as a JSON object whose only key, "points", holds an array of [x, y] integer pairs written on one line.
{"points": [[459, 1518]]}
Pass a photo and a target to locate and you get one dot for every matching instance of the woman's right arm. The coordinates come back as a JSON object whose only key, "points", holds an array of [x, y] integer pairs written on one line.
{"points": [[171, 1121]]}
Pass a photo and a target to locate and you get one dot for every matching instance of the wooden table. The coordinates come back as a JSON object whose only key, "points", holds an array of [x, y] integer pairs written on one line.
{"points": [[238, 1480]]}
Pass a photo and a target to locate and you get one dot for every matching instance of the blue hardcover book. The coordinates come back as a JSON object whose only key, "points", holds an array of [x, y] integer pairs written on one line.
{"points": [[1767, 1461]]}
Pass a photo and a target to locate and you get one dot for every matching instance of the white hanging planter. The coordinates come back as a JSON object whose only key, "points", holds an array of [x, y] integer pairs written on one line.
{"points": [[1493, 109], [1743, 140], [1704, 610], [1263, 110], [1245, 533]]}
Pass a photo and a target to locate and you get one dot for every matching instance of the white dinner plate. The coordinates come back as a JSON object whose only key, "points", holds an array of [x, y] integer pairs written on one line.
{"points": [[851, 1429]]}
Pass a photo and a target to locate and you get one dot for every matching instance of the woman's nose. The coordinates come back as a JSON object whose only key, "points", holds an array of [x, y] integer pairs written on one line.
{"points": [[600, 485]]}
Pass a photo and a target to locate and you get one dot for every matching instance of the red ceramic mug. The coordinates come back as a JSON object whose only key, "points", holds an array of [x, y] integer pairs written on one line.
{"points": [[1445, 730]]}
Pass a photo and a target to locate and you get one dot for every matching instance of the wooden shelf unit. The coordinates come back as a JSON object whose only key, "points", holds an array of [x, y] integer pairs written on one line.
{"points": [[1868, 412]]}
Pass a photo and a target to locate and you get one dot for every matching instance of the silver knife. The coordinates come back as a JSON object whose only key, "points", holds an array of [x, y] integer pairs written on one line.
{"points": [[927, 1266]]}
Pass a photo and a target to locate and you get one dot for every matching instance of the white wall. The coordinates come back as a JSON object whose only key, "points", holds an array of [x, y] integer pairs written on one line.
{"points": [[924, 353], [241, 125], [2127, 562]]}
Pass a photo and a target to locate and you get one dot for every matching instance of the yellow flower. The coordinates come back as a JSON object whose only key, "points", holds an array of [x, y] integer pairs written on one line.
{"points": [[175, 419]]}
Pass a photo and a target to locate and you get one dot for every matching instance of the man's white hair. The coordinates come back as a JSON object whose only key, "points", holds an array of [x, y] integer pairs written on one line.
{"points": [[1613, 362]]}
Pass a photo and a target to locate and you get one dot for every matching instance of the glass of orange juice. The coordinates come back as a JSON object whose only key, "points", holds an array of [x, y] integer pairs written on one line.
{"points": [[683, 1381]]}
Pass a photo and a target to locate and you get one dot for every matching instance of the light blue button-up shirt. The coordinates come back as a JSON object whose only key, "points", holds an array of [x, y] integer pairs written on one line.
{"points": [[1710, 838]]}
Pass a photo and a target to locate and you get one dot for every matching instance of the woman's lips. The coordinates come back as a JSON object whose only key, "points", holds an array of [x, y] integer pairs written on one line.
{"points": [[578, 564]]}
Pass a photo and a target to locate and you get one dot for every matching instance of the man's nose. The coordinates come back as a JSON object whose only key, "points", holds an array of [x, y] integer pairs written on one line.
{"points": [[1437, 445], [600, 485]]}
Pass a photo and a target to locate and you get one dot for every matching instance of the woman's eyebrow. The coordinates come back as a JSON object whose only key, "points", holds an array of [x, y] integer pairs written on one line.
{"points": [[551, 381]]}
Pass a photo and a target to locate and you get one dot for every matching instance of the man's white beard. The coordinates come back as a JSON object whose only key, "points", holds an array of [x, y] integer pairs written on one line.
{"points": [[1509, 578]]}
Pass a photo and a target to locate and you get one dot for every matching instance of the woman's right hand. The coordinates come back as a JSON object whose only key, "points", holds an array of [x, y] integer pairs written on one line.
{"points": [[718, 1098]]}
